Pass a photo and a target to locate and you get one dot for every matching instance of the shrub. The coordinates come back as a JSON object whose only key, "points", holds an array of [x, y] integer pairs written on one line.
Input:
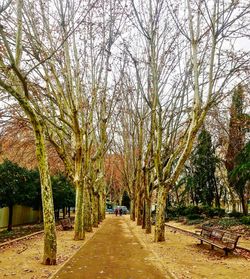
{"points": [[219, 212], [213, 211], [208, 211], [235, 214], [194, 216], [173, 212], [245, 220], [192, 210], [180, 210], [229, 222]]}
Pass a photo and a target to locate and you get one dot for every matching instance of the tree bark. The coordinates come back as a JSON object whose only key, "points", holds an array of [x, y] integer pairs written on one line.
{"points": [[87, 210], [244, 203], [132, 210], [143, 216], [100, 205], [160, 214], [64, 212], [79, 232], [232, 196], [50, 246], [95, 210], [139, 210], [148, 215]]}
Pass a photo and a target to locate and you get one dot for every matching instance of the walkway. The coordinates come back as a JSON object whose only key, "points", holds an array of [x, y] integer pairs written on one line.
{"points": [[112, 253]]}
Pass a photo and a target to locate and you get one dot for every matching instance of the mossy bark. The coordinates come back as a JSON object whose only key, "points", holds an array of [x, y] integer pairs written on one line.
{"points": [[100, 209], [143, 215], [87, 210], [139, 210], [50, 245], [160, 213], [79, 233], [148, 215], [102, 203], [95, 210], [132, 210]]}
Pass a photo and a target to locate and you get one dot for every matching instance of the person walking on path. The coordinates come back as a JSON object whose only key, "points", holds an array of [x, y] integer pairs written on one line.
{"points": [[120, 212]]}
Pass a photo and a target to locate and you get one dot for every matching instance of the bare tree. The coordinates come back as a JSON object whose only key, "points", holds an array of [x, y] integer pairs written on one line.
{"points": [[14, 81]]}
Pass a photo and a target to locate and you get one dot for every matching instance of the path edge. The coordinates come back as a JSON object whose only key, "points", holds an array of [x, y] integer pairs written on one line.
{"points": [[52, 276], [160, 262]]}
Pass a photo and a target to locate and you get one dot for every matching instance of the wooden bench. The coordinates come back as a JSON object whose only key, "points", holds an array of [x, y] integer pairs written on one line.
{"points": [[223, 240], [66, 224]]}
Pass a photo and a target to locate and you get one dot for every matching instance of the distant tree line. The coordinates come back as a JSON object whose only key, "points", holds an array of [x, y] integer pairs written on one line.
{"points": [[21, 186]]}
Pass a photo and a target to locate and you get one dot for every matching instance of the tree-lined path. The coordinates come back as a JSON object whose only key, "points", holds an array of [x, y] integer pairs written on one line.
{"points": [[142, 99], [113, 252]]}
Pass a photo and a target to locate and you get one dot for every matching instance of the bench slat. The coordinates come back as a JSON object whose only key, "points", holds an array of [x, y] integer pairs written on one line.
{"points": [[217, 235]]}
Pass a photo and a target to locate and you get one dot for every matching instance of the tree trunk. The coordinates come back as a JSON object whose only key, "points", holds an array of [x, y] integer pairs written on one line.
{"points": [[192, 197], [10, 217], [217, 196], [160, 215], [143, 216], [95, 210], [57, 214], [244, 203], [87, 210], [138, 210], [232, 195], [148, 215], [50, 246], [132, 210], [79, 226], [64, 212], [177, 195], [101, 204]]}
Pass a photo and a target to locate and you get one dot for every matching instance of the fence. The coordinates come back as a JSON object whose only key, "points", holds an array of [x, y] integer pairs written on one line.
{"points": [[21, 215]]}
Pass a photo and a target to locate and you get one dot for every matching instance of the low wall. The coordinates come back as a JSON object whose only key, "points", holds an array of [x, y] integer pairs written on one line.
{"points": [[21, 215]]}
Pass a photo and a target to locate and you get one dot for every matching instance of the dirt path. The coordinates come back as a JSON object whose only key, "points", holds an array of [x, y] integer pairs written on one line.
{"points": [[113, 253]]}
